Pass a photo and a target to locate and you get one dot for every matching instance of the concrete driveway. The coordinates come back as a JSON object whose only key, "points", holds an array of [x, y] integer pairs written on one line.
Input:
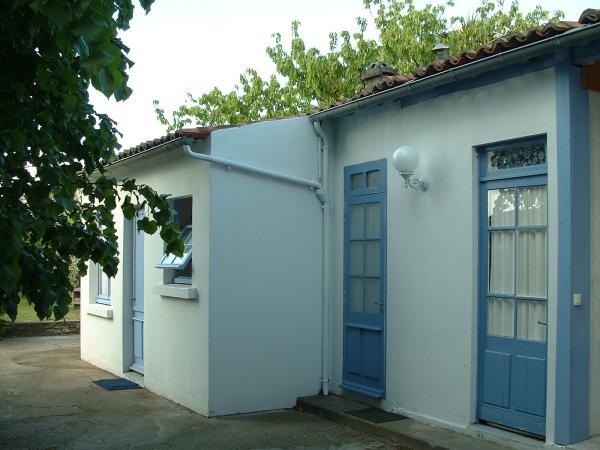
{"points": [[48, 401]]}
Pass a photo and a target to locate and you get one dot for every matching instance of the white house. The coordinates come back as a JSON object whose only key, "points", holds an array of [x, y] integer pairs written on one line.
{"points": [[313, 266]]}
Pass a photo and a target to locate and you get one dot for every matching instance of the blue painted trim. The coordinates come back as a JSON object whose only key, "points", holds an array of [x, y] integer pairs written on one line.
{"points": [[499, 74], [364, 321], [573, 183], [509, 178], [586, 53]]}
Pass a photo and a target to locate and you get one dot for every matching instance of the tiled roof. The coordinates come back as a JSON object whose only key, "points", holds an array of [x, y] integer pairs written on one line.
{"points": [[503, 44], [196, 133]]}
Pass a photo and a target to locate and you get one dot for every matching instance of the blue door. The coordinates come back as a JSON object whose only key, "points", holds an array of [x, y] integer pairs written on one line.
{"points": [[513, 286], [138, 296], [364, 278]]}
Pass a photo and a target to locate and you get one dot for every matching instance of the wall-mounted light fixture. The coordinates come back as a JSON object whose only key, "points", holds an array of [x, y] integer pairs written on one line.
{"points": [[405, 160]]}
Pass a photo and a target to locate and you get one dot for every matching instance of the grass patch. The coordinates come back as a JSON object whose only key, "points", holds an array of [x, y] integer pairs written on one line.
{"points": [[26, 313]]}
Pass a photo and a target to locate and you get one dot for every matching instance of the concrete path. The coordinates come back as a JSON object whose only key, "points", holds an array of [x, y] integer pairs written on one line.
{"points": [[48, 401]]}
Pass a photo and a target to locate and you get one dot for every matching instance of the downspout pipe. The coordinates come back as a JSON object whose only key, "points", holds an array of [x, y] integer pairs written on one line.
{"points": [[324, 151], [230, 163]]}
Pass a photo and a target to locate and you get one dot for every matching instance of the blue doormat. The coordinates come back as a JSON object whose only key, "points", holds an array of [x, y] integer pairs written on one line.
{"points": [[117, 384]]}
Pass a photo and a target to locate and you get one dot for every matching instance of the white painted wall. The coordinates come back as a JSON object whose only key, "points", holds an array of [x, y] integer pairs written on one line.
{"points": [[175, 330], [265, 270], [595, 242], [432, 236]]}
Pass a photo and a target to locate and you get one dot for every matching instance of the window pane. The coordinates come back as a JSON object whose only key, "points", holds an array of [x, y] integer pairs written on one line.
{"points": [[373, 178], [533, 208], [531, 320], [372, 258], [357, 181], [373, 301], [521, 155], [501, 317], [103, 283], [373, 227], [532, 263], [501, 262], [501, 207], [357, 258], [357, 298], [357, 221]]}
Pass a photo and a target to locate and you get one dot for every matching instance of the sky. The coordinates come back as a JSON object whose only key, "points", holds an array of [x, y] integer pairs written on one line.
{"points": [[192, 46]]}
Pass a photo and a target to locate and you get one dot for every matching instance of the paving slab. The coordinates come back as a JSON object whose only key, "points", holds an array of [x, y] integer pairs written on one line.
{"points": [[404, 431], [48, 401]]}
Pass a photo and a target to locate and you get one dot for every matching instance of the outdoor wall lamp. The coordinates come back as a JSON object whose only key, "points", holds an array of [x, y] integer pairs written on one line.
{"points": [[405, 160]]}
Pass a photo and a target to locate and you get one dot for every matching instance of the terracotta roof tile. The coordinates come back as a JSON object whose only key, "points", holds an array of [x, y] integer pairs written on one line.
{"points": [[196, 133], [502, 44]]}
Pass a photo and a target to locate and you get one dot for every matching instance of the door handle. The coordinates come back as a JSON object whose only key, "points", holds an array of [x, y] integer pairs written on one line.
{"points": [[542, 323]]}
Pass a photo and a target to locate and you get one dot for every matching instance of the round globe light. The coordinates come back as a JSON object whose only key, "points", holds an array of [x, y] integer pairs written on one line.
{"points": [[405, 159]]}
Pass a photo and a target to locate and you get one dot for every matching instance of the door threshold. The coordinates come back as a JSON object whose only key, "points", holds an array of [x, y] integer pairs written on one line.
{"points": [[537, 437], [503, 436], [134, 376]]}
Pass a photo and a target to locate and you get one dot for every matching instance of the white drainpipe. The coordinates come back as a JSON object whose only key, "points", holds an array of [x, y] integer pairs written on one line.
{"points": [[324, 144], [229, 163]]}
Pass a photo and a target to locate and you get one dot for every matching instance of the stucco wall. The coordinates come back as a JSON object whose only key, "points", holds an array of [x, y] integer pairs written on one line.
{"points": [[595, 240], [175, 330], [265, 270], [432, 236]]}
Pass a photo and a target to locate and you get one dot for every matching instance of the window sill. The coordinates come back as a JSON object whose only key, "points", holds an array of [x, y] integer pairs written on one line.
{"points": [[96, 309], [183, 291]]}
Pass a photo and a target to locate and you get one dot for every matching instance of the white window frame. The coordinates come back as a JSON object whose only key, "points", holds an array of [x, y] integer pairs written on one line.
{"points": [[173, 262], [104, 298]]}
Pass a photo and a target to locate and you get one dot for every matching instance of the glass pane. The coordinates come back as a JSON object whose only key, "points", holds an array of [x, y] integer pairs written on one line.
{"points": [[531, 320], [373, 301], [502, 262], [533, 208], [357, 299], [373, 220], [373, 178], [357, 221], [357, 258], [532, 263], [522, 155], [357, 181], [500, 317], [501, 207], [103, 283], [372, 258]]}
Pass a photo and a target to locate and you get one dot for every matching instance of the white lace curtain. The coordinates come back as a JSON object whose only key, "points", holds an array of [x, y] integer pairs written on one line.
{"points": [[525, 259]]}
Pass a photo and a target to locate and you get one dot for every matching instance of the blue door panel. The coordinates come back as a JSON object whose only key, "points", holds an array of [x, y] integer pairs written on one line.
{"points": [[528, 385], [496, 378], [365, 278], [512, 362], [372, 347], [354, 350]]}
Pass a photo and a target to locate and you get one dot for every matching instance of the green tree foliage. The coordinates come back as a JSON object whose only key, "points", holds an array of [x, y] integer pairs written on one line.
{"points": [[306, 78], [56, 198]]}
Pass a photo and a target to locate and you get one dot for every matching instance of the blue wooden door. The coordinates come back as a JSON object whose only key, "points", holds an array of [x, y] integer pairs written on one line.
{"points": [[138, 296], [364, 278], [513, 299]]}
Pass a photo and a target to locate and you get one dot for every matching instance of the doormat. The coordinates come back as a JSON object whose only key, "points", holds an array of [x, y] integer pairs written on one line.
{"points": [[375, 415], [117, 384]]}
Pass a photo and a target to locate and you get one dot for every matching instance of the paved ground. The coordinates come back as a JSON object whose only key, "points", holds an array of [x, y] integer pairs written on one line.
{"points": [[47, 401]]}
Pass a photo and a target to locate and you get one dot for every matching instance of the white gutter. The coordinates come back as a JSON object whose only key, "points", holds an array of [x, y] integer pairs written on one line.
{"points": [[230, 163], [465, 71], [324, 150]]}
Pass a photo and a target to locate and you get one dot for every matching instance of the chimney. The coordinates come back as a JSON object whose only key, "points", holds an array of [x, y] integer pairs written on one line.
{"points": [[376, 73], [441, 52]]}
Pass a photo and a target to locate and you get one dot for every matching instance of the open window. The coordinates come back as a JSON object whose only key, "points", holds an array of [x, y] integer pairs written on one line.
{"points": [[178, 269]]}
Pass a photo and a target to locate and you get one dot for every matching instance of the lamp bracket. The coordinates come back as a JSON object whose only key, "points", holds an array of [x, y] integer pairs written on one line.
{"points": [[418, 184]]}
